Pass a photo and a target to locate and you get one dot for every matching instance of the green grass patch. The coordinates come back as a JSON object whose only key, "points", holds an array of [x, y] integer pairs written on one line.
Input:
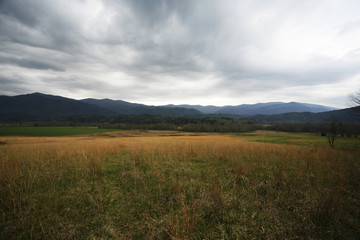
{"points": [[301, 139], [50, 131]]}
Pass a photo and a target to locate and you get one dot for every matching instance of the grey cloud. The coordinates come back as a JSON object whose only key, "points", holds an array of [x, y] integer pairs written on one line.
{"points": [[39, 24], [12, 86], [78, 83], [7, 80], [25, 12], [31, 63], [148, 30], [164, 42], [165, 33]]}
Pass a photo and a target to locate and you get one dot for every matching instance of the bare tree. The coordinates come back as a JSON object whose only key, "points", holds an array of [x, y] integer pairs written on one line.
{"points": [[333, 131], [355, 98]]}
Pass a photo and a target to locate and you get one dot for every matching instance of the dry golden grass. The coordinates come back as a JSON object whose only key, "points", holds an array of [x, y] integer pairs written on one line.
{"points": [[134, 185]]}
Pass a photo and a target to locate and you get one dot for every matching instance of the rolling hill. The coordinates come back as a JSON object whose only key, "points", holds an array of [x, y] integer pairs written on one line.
{"points": [[37, 106], [126, 108]]}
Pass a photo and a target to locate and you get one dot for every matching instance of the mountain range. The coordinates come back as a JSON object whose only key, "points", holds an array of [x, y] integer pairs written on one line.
{"points": [[259, 108], [38, 106]]}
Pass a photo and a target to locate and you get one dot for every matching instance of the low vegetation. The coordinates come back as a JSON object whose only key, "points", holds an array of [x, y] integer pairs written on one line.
{"points": [[146, 185], [302, 139], [50, 131]]}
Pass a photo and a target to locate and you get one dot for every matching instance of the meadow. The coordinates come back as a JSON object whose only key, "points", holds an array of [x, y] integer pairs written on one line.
{"points": [[51, 131], [301, 139], [170, 185]]}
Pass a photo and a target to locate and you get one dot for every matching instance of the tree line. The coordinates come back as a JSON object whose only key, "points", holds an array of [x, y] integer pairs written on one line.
{"points": [[201, 124]]}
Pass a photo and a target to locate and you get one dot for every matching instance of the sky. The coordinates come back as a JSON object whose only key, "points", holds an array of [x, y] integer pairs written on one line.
{"points": [[206, 52]]}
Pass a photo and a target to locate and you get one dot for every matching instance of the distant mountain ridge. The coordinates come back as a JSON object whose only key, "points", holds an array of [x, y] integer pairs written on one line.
{"points": [[209, 109], [125, 108], [38, 106], [273, 108], [259, 108], [342, 115]]}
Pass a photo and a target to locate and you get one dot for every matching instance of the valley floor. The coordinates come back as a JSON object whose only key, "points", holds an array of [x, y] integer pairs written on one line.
{"points": [[175, 185]]}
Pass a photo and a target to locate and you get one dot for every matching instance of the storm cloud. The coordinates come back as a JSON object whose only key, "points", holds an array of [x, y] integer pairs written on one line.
{"points": [[182, 52]]}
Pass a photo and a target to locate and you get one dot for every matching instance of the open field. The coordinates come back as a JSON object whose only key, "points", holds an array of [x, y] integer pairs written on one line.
{"points": [[159, 185], [302, 139], [50, 131]]}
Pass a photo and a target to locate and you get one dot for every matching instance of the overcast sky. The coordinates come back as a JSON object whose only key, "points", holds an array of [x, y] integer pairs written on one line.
{"points": [[193, 52]]}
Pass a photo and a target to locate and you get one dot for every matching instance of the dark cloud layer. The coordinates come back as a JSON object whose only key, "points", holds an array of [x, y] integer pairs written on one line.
{"points": [[167, 51], [30, 63]]}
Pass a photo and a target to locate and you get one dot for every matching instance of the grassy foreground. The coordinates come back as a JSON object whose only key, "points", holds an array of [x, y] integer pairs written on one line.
{"points": [[172, 187], [51, 131]]}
